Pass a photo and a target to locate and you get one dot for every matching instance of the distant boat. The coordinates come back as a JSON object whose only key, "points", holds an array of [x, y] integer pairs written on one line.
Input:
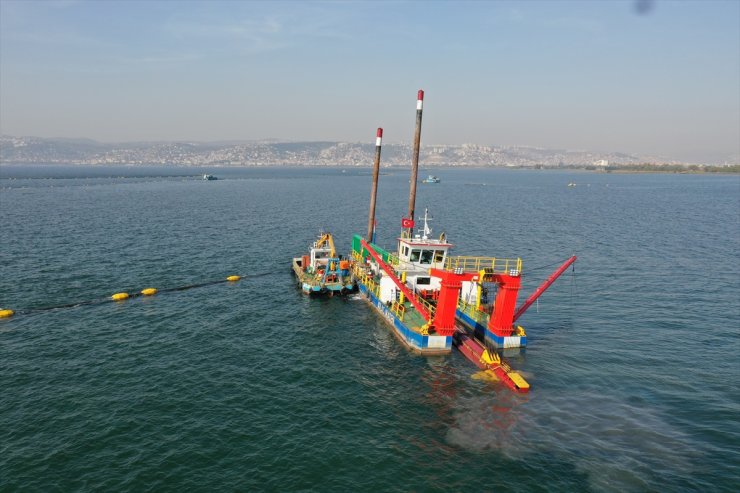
{"points": [[431, 179], [572, 184], [209, 177]]}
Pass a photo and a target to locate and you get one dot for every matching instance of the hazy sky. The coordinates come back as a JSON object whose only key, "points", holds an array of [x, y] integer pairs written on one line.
{"points": [[660, 78]]}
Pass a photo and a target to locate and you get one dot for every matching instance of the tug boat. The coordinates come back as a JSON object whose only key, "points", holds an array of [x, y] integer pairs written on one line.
{"points": [[322, 271]]}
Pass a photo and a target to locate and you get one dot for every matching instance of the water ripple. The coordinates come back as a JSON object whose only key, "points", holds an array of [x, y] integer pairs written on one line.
{"points": [[253, 386]]}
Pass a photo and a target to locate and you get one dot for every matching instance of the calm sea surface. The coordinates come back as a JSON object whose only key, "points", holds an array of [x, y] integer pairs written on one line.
{"points": [[252, 386]]}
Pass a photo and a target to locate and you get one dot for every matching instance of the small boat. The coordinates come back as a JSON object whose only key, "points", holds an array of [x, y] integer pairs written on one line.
{"points": [[322, 271], [572, 184], [209, 177], [431, 179]]}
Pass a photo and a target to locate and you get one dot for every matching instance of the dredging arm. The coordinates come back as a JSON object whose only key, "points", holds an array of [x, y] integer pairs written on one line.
{"points": [[543, 287]]}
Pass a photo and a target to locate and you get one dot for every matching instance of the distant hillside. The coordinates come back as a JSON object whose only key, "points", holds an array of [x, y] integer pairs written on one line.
{"points": [[80, 151]]}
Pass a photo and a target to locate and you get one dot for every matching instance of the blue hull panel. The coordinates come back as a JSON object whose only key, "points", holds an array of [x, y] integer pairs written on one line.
{"points": [[429, 344], [482, 331], [309, 289]]}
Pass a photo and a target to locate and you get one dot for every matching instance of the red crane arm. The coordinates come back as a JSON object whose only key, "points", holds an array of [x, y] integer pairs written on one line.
{"points": [[388, 270], [543, 287]]}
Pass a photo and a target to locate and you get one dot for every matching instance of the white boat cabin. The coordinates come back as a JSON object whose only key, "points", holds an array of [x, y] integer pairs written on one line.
{"points": [[320, 256], [419, 254]]}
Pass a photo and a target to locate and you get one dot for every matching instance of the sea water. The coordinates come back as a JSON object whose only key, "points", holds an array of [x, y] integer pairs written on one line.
{"points": [[252, 386]]}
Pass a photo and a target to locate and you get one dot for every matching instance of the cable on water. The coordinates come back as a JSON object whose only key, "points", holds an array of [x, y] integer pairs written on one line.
{"points": [[112, 299]]}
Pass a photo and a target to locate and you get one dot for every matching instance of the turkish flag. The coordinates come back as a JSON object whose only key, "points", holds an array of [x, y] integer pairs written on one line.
{"points": [[407, 223]]}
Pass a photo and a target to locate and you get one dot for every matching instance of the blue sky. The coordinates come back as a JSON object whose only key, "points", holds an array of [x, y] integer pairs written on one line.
{"points": [[576, 75]]}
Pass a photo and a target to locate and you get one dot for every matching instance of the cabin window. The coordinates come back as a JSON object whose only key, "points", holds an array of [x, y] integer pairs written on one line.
{"points": [[423, 281], [426, 256], [415, 255], [438, 256], [405, 251]]}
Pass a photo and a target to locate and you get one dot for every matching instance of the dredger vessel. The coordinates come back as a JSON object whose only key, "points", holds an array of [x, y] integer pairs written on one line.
{"points": [[433, 300]]}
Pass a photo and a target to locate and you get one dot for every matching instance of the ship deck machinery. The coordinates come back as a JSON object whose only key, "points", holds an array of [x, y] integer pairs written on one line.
{"points": [[322, 271]]}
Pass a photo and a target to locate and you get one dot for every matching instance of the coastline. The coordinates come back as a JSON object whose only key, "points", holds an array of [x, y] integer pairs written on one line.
{"points": [[626, 169]]}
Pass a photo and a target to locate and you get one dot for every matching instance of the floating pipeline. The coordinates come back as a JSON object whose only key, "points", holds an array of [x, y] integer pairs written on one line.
{"points": [[123, 296]]}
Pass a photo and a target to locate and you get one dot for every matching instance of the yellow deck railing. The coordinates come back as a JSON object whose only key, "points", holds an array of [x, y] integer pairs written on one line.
{"points": [[430, 308], [465, 308], [366, 278], [493, 265], [388, 257], [471, 310]]}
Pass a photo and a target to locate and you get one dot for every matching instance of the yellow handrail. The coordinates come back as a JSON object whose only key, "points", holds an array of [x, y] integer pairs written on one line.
{"points": [[393, 259], [492, 265], [366, 278], [430, 308], [469, 310], [399, 309]]}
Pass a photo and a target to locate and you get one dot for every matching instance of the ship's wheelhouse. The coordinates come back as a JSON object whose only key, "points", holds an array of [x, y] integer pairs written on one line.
{"points": [[319, 256], [417, 255]]}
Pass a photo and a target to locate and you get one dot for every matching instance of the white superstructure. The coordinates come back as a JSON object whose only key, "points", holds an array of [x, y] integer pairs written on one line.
{"points": [[420, 253]]}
